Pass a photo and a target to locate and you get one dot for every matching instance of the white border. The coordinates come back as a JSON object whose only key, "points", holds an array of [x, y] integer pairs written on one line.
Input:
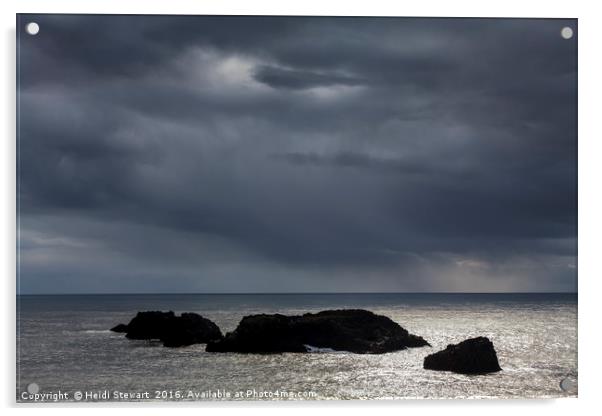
{"points": [[590, 206]]}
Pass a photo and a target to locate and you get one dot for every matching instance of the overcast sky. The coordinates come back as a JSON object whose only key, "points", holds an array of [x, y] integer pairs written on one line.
{"points": [[262, 154]]}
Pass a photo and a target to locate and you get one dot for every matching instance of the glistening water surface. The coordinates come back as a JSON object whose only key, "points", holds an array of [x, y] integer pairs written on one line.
{"points": [[64, 344]]}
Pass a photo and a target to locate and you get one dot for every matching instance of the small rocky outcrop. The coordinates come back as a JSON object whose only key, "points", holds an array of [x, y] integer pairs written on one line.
{"points": [[472, 356], [353, 330], [172, 330]]}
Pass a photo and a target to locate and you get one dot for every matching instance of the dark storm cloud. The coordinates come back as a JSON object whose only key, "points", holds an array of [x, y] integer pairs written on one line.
{"points": [[302, 154]]}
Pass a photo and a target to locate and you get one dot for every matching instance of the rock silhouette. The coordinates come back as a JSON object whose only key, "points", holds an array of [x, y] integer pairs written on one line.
{"points": [[353, 330], [172, 330], [472, 356]]}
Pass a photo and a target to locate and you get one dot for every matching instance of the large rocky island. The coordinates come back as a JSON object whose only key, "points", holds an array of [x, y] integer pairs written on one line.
{"points": [[352, 330]]}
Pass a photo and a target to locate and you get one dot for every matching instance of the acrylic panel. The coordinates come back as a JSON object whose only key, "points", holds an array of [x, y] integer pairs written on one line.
{"points": [[295, 208]]}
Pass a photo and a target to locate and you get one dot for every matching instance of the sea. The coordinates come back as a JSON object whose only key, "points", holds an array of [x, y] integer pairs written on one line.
{"points": [[65, 351]]}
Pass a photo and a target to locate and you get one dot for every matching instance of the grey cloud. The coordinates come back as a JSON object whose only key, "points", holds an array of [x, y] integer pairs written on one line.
{"points": [[293, 79], [355, 160]]}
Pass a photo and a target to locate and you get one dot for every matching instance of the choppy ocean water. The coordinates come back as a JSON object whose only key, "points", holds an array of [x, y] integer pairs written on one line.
{"points": [[63, 345]]}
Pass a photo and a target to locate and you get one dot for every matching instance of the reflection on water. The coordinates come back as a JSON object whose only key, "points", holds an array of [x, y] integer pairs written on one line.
{"points": [[64, 345]]}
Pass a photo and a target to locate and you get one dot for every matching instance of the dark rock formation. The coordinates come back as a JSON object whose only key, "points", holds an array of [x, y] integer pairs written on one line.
{"points": [[355, 330], [472, 356], [120, 328], [189, 329], [172, 330], [150, 325]]}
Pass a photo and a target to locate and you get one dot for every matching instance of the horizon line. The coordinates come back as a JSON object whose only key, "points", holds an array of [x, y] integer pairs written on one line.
{"points": [[291, 293]]}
